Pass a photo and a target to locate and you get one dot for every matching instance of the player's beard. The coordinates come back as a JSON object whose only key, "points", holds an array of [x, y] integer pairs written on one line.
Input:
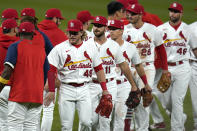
{"points": [[174, 19], [99, 33], [74, 42]]}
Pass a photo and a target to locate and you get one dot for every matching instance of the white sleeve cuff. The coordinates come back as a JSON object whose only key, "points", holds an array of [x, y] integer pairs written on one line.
{"points": [[10, 64]]}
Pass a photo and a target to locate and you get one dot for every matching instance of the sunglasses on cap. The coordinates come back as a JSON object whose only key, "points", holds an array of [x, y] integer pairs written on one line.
{"points": [[98, 25], [131, 13], [174, 11], [113, 28], [73, 33]]}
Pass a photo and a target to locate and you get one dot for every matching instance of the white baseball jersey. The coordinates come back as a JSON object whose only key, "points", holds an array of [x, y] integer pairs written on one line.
{"points": [[177, 42], [145, 39], [110, 55], [74, 65], [89, 34], [131, 56], [193, 31]]}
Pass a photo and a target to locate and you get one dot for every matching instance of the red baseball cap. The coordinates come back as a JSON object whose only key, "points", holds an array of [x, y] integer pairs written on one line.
{"points": [[132, 2], [9, 13], [100, 20], [74, 25], [135, 8], [117, 24], [26, 27], [9, 23], [176, 6], [84, 16], [53, 12], [28, 12]]}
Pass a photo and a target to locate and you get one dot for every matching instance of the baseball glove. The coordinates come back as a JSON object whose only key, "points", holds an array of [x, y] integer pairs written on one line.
{"points": [[164, 82], [134, 99], [105, 106], [147, 97]]}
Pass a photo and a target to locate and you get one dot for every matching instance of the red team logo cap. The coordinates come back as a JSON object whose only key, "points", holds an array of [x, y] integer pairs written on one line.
{"points": [[9, 14], [53, 12], [132, 2], [26, 27], [9, 23], [74, 25], [28, 12], [84, 16], [117, 24], [100, 20], [135, 8], [176, 6]]}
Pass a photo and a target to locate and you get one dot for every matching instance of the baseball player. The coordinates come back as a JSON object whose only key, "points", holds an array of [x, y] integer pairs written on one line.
{"points": [[39, 37], [75, 60], [85, 17], [111, 56], [130, 54], [8, 37], [146, 38], [49, 26], [177, 41], [192, 83], [8, 13], [24, 105]]}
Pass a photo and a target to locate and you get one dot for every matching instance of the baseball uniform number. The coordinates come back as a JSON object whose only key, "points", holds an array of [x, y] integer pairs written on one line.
{"points": [[145, 52], [182, 51], [107, 69], [88, 73]]}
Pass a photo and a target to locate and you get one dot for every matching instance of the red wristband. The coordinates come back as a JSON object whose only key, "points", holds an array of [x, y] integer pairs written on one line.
{"points": [[103, 86], [144, 79]]}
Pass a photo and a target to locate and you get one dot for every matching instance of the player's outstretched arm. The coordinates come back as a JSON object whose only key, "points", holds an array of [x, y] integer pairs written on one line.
{"points": [[50, 96], [5, 76], [127, 72], [140, 70], [101, 78]]}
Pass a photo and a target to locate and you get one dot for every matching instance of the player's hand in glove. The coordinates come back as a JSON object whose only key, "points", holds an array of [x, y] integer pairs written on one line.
{"points": [[147, 96], [105, 106], [164, 82], [134, 99]]}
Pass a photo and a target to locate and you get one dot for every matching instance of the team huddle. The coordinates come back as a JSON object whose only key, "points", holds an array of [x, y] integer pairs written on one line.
{"points": [[110, 75]]}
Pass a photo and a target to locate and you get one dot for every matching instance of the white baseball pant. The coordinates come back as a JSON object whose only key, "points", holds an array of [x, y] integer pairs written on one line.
{"points": [[154, 109], [141, 113], [23, 116], [4, 108], [193, 90], [120, 107], [174, 97], [47, 118], [101, 123], [71, 98]]}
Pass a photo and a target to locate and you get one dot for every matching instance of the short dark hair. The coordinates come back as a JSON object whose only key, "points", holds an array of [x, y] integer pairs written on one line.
{"points": [[114, 6], [30, 34], [5, 31], [33, 20]]}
